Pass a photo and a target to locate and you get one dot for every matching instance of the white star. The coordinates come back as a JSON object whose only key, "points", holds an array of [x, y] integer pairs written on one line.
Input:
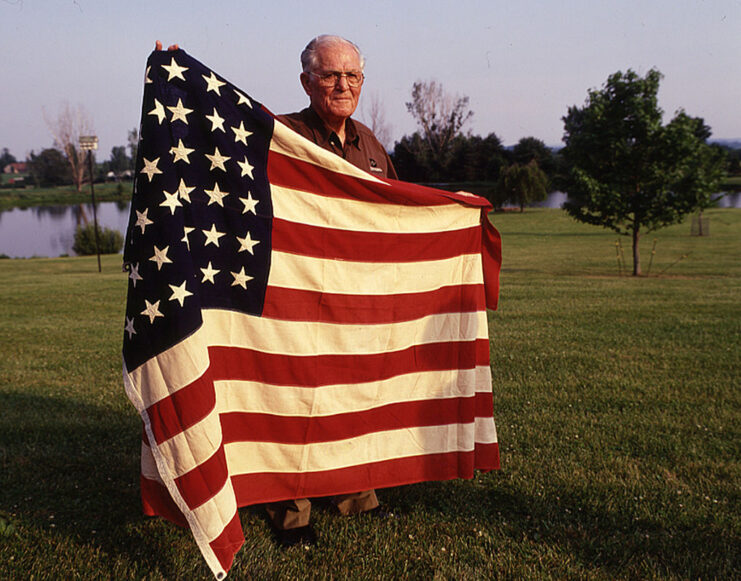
{"points": [[174, 70], [160, 256], [216, 196], [150, 168], [216, 121], [247, 243], [246, 167], [243, 99], [171, 201], [130, 327], [187, 230], [184, 191], [217, 160], [147, 80], [141, 219], [213, 83], [240, 278], [249, 204], [179, 293], [212, 236], [208, 273], [134, 274], [181, 152], [159, 111], [240, 133], [179, 113], [152, 311]]}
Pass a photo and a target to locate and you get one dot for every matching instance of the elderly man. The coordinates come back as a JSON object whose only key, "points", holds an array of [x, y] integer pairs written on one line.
{"points": [[332, 78]]}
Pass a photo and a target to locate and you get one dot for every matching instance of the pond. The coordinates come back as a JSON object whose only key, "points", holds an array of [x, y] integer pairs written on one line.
{"points": [[49, 231]]}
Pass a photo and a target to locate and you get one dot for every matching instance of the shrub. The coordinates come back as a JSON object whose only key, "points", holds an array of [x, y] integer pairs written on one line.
{"points": [[110, 241]]}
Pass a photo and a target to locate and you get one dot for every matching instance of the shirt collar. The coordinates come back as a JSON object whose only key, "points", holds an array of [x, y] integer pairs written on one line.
{"points": [[326, 135]]}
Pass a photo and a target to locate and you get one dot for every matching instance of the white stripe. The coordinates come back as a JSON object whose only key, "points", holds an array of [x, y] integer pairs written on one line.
{"points": [[288, 142], [326, 211], [255, 397], [303, 338], [485, 431], [256, 457], [372, 278], [187, 449]]}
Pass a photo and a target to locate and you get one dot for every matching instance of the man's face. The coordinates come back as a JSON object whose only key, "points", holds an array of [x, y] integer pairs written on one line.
{"points": [[335, 103]]}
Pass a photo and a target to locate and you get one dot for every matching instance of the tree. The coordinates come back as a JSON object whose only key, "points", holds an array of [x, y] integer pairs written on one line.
{"points": [[627, 171], [6, 158], [440, 116], [66, 129], [119, 160], [532, 148], [133, 139], [49, 168], [523, 184], [374, 116]]}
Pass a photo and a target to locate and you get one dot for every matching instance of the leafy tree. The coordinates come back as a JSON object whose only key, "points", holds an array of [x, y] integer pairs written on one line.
{"points": [[6, 158], [133, 140], [523, 184], [440, 116], [67, 127], [119, 160], [532, 148], [627, 171], [49, 168], [110, 241]]}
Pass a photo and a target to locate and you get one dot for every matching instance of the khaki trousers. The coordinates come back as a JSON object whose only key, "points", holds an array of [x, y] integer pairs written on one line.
{"points": [[292, 514]]}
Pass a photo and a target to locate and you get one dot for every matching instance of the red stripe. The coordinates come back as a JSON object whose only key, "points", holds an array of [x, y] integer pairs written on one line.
{"points": [[184, 408], [313, 371], [156, 501], [262, 427], [270, 487], [300, 175], [226, 545], [304, 305], [321, 242], [204, 481]]}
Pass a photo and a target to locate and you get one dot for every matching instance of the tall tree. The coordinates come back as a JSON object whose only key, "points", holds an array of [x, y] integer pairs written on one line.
{"points": [[627, 171], [440, 116], [69, 124], [133, 140], [6, 157], [532, 148], [522, 184], [119, 160], [49, 168], [374, 116]]}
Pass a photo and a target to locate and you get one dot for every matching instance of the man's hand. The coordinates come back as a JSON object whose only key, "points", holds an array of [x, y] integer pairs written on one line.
{"points": [[158, 46]]}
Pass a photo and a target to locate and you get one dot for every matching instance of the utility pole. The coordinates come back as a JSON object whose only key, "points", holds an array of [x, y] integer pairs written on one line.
{"points": [[89, 143]]}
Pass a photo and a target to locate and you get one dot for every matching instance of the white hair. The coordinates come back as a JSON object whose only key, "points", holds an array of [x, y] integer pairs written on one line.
{"points": [[309, 55]]}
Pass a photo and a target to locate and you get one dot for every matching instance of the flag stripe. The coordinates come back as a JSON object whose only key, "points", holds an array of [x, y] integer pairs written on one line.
{"points": [[348, 277], [260, 397], [316, 209], [299, 304], [297, 238], [250, 365]]}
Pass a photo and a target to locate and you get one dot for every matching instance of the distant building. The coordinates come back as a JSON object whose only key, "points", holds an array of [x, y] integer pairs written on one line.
{"points": [[18, 167]]}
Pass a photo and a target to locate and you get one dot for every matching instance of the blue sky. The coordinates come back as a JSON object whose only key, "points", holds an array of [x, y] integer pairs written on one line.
{"points": [[522, 64]]}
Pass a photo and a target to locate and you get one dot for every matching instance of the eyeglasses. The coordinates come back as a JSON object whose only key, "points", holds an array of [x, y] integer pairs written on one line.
{"points": [[332, 78]]}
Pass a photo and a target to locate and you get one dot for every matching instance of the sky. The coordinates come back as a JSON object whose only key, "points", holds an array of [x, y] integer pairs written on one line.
{"points": [[522, 64]]}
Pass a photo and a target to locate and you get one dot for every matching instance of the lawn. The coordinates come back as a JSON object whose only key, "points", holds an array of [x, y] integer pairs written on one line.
{"points": [[61, 195], [616, 399]]}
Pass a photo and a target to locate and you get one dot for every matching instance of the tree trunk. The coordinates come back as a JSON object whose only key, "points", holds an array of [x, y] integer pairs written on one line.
{"points": [[636, 254]]}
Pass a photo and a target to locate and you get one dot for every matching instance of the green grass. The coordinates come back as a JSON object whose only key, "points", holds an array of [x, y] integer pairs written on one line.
{"points": [[616, 399], [32, 196]]}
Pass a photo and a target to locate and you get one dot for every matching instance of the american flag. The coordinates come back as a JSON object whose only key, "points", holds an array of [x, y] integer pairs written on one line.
{"points": [[295, 327]]}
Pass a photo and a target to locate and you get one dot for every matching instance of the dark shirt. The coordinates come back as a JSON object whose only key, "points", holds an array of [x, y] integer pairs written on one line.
{"points": [[361, 148]]}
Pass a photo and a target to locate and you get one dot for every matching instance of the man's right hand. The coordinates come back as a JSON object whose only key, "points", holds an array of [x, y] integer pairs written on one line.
{"points": [[158, 46]]}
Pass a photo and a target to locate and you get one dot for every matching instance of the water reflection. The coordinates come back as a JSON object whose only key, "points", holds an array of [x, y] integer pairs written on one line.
{"points": [[50, 230]]}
